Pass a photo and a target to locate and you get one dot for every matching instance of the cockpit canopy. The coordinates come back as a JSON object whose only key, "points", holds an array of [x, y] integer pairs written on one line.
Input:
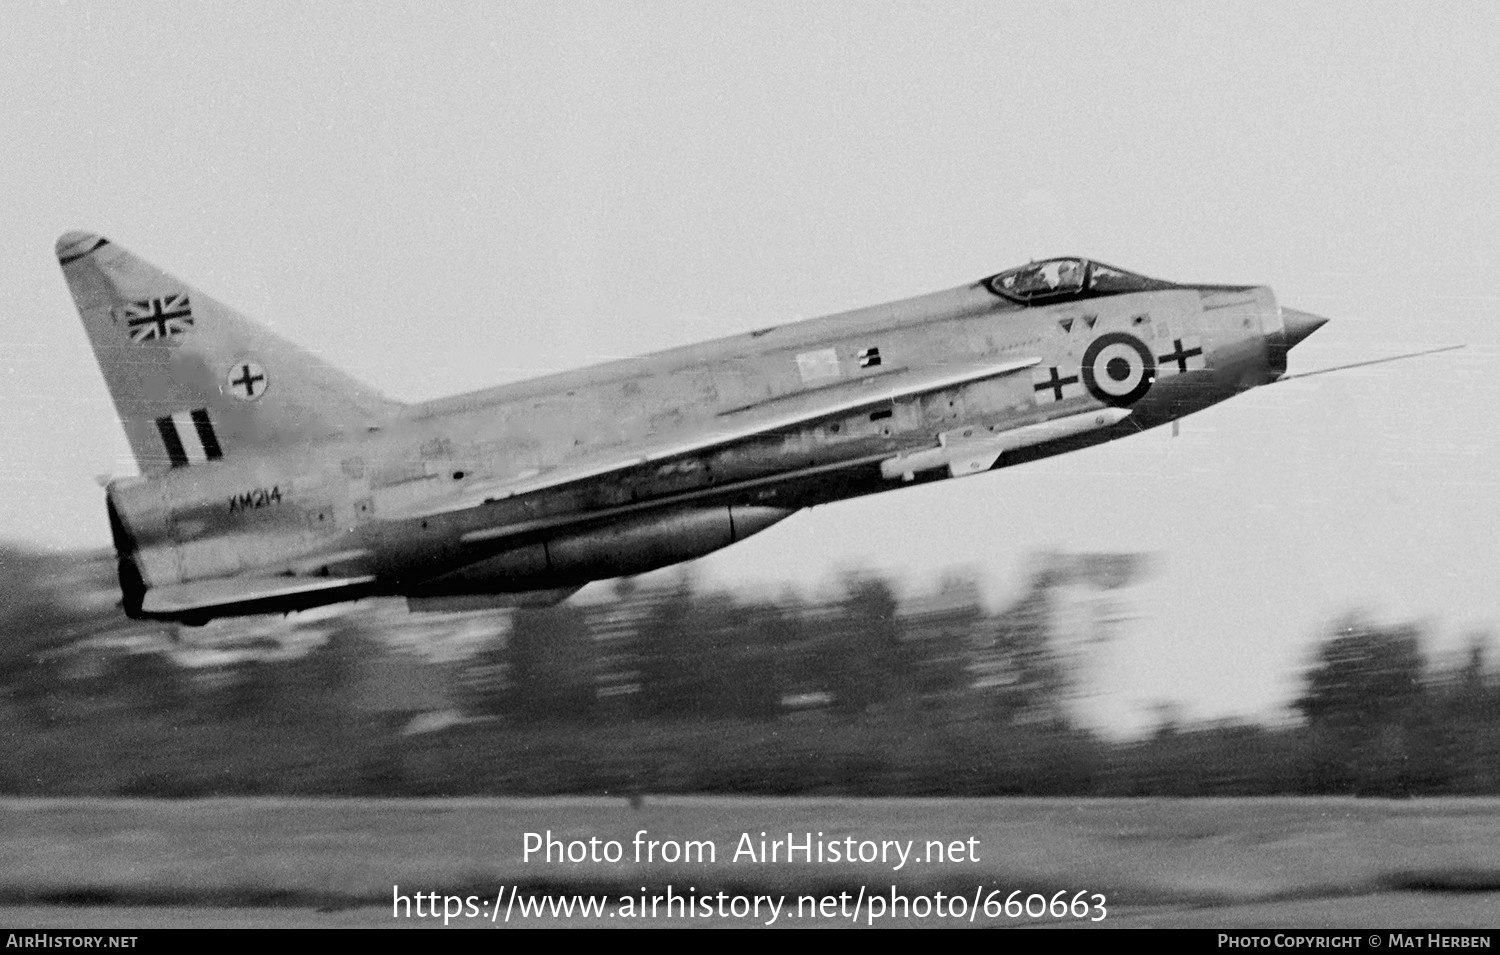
{"points": [[1056, 279]]}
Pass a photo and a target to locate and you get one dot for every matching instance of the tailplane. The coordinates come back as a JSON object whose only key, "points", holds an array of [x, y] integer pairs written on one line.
{"points": [[193, 380]]}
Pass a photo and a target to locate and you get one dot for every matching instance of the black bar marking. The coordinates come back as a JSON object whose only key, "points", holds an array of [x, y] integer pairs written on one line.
{"points": [[1055, 384], [175, 451], [1181, 355], [206, 434]]}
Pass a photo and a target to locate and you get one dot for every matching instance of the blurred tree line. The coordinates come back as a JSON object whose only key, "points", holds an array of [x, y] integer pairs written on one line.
{"points": [[677, 688]]}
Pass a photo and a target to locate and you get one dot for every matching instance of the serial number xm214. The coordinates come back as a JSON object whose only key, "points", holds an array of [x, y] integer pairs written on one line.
{"points": [[271, 481]]}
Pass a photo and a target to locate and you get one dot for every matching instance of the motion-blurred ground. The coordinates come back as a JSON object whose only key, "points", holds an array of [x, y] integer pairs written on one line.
{"points": [[871, 689]]}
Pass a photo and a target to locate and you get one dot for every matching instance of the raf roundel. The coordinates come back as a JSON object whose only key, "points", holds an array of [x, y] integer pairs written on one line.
{"points": [[246, 380], [1118, 369]]}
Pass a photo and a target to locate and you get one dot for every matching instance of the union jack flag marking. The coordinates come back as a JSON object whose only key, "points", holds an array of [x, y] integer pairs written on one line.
{"points": [[158, 318]]}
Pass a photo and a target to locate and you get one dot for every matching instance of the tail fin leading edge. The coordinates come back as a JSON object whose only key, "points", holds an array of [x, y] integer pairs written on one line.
{"points": [[192, 379]]}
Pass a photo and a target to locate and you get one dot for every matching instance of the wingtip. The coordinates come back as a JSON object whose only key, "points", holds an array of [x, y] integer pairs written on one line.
{"points": [[72, 246]]}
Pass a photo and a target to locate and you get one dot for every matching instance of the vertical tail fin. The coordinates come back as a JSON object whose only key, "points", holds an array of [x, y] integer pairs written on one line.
{"points": [[193, 380]]}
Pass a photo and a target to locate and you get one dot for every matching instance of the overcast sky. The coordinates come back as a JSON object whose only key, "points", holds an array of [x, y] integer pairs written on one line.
{"points": [[441, 197]]}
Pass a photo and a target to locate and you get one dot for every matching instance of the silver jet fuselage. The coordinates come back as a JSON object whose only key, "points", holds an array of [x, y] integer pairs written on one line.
{"points": [[525, 492]]}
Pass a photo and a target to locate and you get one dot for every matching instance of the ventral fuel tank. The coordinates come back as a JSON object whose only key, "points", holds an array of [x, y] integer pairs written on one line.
{"points": [[617, 549]]}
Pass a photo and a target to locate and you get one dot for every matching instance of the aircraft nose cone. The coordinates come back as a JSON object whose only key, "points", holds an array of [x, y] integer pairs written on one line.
{"points": [[1299, 325]]}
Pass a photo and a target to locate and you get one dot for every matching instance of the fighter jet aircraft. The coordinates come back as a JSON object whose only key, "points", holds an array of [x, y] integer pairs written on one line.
{"points": [[272, 482]]}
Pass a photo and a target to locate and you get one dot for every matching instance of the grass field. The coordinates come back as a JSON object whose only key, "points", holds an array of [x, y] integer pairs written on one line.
{"points": [[248, 852]]}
